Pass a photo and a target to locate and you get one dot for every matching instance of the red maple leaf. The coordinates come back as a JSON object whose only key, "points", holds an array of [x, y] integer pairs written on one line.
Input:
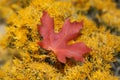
{"points": [[58, 42]]}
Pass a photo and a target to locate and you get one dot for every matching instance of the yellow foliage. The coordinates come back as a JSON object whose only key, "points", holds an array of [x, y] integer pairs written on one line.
{"points": [[28, 61]]}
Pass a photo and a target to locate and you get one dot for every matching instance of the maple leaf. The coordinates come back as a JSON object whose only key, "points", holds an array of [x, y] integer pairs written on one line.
{"points": [[58, 42]]}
